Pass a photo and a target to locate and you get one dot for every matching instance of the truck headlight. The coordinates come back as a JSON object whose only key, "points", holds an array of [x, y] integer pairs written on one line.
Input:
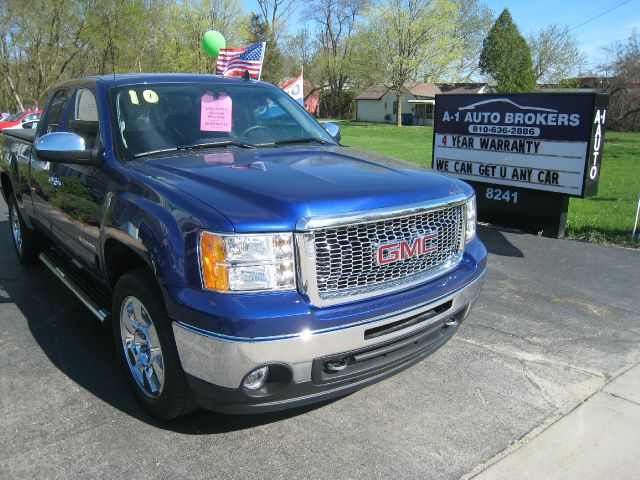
{"points": [[470, 227], [247, 262]]}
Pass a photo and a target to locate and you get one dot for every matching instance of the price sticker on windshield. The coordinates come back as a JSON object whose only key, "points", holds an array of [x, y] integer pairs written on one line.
{"points": [[215, 113]]}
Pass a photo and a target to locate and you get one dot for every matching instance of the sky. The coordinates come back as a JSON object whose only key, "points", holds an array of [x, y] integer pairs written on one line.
{"points": [[593, 37]]}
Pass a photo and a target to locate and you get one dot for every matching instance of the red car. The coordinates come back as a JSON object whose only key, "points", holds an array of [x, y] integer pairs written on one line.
{"points": [[20, 117]]}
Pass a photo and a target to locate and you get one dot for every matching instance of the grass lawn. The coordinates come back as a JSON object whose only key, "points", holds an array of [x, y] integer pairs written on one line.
{"points": [[607, 217]]}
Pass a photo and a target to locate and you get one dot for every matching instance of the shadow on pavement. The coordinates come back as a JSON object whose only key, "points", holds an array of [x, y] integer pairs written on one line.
{"points": [[81, 348], [497, 243]]}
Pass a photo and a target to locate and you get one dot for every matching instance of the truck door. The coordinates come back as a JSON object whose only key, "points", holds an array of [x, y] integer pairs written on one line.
{"points": [[78, 190], [41, 178]]}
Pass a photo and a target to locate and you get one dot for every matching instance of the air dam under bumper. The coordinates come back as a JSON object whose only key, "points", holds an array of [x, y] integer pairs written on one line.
{"points": [[216, 367]]}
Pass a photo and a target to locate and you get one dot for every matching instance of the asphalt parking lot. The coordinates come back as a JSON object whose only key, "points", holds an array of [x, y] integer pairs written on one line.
{"points": [[556, 321]]}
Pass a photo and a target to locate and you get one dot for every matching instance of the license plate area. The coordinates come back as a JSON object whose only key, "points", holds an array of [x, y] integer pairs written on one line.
{"points": [[368, 361]]}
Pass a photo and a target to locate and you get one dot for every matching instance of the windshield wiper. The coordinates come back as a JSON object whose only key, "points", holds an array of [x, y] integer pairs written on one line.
{"points": [[153, 152], [298, 140], [224, 143]]}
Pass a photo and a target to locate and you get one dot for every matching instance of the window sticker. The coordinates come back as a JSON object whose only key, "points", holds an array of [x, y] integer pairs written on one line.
{"points": [[215, 113]]}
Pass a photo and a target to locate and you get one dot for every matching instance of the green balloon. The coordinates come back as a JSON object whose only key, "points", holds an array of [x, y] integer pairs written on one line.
{"points": [[212, 42]]}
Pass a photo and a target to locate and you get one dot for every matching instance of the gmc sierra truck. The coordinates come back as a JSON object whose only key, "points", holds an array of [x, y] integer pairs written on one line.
{"points": [[246, 261]]}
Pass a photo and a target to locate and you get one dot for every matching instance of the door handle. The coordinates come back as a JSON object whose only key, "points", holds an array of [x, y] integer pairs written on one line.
{"points": [[55, 181]]}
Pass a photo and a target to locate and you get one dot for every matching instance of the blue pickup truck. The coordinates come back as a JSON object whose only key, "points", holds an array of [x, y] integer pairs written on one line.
{"points": [[246, 261]]}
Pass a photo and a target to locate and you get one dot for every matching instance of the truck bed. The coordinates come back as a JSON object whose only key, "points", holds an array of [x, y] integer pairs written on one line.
{"points": [[27, 135]]}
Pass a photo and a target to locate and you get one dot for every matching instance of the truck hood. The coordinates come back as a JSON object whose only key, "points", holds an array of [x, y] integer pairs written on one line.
{"points": [[270, 189]]}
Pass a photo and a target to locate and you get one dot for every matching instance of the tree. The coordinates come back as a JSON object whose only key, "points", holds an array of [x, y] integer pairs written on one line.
{"points": [[555, 54], [411, 40], [474, 20], [182, 26], [274, 14], [268, 25], [506, 57], [273, 63], [302, 48], [335, 21], [623, 85], [42, 43]]}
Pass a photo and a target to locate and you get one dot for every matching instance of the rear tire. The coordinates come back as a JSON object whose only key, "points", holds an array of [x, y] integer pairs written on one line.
{"points": [[28, 243], [146, 347]]}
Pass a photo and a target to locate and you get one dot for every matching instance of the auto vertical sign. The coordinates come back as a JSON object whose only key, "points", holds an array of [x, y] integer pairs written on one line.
{"points": [[542, 146]]}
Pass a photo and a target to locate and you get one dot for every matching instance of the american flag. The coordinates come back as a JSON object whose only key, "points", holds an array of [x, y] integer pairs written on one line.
{"points": [[237, 61]]}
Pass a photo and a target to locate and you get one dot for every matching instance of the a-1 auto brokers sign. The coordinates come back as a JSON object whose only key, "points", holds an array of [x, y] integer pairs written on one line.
{"points": [[549, 142]]}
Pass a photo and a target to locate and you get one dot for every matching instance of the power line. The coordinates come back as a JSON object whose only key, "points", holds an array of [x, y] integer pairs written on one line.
{"points": [[598, 16]]}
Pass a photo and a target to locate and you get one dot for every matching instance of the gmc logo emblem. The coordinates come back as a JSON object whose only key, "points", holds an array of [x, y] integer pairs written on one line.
{"points": [[401, 250]]}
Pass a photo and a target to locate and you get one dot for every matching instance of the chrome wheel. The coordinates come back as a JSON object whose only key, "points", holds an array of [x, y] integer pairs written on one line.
{"points": [[141, 347], [16, 231]]}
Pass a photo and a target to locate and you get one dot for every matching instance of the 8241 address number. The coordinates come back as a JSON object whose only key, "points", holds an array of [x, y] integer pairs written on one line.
{"points": [[501, 195]]}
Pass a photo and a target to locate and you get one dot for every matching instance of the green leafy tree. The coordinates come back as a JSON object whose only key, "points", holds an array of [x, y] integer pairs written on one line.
{"points": [[335, 26], [474, 20], [268, 25], [43, 42], [555, 54], [411, 40], [180, 28], [273, 64], [506, 57]]}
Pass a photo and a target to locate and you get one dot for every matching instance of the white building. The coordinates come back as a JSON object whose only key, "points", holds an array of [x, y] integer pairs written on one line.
{"points": [[379, 104]]}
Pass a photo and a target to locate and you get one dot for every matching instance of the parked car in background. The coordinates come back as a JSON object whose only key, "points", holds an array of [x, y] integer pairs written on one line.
{"points": [[28, 125], [20, 118], [4, 115]]}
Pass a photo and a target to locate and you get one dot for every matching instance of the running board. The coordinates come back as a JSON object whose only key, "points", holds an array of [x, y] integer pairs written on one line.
{"points": [[50, 262]]}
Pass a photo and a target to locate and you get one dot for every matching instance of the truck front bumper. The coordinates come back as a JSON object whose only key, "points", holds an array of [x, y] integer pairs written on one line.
{"points": [[302, 366]]}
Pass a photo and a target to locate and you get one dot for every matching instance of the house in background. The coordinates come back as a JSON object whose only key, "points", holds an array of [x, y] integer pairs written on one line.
{"points": [[379, 104], [311, 99]]}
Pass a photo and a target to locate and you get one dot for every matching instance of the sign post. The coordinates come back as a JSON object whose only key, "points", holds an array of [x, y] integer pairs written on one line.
{"points": [[525, 154]]}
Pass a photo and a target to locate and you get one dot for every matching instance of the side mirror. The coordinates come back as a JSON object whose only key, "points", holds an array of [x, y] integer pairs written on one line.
{"points": [[65, 147], [333, 129]]}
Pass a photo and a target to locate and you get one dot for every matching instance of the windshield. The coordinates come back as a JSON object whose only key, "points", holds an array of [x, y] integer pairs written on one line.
{"points": [[15, 117], [163, 117]]}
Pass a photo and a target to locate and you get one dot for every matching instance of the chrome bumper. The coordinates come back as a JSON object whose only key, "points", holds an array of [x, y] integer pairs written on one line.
{"points": [[225, 362]]}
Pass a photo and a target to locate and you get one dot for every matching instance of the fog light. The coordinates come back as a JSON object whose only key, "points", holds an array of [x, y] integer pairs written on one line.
{"points": [[337, 365], [256, 378]]}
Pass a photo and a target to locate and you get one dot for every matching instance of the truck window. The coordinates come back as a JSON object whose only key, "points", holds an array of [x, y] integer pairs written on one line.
{"points": [[83, 118], [55, 112], [153, 117]]}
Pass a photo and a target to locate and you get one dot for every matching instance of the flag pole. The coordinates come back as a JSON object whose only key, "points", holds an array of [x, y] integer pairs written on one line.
{"points": [[264, 49]]}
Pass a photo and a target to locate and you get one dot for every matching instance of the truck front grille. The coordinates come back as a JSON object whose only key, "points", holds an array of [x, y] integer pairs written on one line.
{"points": [[345, 257]]}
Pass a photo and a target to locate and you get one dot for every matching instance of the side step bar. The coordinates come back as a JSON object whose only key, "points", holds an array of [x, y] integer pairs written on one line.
{"points": [[50, 262]]}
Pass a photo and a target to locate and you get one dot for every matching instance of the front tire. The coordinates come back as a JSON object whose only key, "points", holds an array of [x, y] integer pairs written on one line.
{"points": [[146, 347], [28, 243]]}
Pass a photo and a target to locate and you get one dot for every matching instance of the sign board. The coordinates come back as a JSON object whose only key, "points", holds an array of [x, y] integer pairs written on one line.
{"points": [[549, 142]]}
